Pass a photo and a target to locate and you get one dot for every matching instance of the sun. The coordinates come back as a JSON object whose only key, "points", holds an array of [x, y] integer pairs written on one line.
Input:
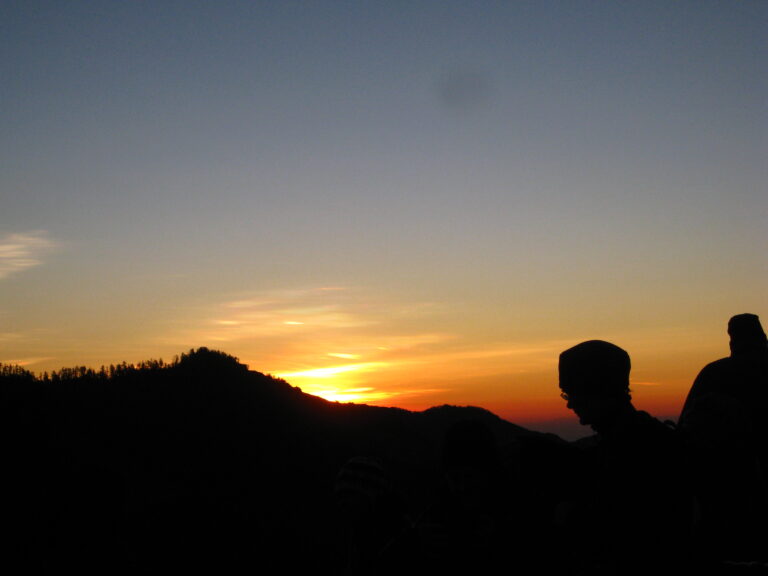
{"points": [[338, 383]]}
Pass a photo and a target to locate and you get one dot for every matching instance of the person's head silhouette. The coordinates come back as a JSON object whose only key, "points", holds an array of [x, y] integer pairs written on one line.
{"points": [[747, 335], [594, 379]]}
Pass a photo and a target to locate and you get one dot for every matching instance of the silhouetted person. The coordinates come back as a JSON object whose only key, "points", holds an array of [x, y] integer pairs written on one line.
{"points": [[467, 527], [635, 514], [742, 375], [463, 530], [725, 421], [369, 517]]}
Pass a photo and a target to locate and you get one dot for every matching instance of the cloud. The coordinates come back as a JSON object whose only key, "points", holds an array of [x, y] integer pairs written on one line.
{"points": [[6, 337], [19, 252], [338, 321], [24, 362], [330, 371], [361, 344], [301, 334]]}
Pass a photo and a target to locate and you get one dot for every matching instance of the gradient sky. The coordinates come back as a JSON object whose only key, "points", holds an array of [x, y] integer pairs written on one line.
{"points": [[404, 203]]}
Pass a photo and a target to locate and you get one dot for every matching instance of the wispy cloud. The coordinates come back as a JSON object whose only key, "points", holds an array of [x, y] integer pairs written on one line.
{"points": [[331, 371], [334, 318], [6, 337], [25, 361], [315, 337], [21, 251], [358, 344]]}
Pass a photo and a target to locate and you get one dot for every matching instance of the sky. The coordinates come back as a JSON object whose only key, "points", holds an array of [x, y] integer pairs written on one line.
{"points": [[399, 203]]}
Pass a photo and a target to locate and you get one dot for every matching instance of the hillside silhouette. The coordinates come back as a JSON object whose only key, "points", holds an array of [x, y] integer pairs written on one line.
{"points": [[202, 463]]}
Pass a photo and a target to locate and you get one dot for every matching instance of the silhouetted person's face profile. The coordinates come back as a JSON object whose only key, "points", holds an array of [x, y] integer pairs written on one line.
{"points": [[594, 380], [747, 335]]}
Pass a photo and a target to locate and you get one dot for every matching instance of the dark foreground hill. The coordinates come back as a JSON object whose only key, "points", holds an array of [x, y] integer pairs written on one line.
{"points": [[203, 464]]}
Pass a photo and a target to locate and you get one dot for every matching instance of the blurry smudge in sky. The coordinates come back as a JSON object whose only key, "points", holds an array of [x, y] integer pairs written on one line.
{"points": [[463, 89]]}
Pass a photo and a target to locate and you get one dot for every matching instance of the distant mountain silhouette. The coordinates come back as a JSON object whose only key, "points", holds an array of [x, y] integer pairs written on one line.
{"points": [[199, 464]]}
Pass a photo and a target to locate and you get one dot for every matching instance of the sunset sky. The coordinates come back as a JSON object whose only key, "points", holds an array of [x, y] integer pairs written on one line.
{"points": [[400, 203]]}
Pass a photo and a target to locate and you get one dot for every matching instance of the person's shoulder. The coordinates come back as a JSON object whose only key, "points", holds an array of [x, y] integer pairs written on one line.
{"points": [[720, 364], [712, 375], [643, 418], [653, 429], [648, 443]]}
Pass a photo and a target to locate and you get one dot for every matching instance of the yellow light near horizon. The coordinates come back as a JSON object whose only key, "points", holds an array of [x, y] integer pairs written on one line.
{"points": [[360, 395], [331, 370], [344, 387]]}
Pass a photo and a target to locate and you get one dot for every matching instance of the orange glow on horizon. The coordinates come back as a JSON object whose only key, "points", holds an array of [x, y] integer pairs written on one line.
{"points": [[522, 397], [354, 345]]}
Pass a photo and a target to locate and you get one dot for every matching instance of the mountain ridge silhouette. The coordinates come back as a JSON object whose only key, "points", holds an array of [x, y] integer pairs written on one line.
{"points": [[200, 462]]}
